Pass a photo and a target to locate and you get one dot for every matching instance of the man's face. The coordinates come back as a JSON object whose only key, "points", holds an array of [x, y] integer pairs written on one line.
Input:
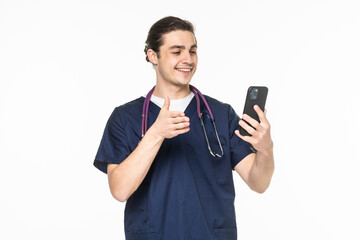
{"points": [[177, 58]]}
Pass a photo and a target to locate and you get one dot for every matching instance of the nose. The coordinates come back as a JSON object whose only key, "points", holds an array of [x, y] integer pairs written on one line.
{"points": [[187, 58]]}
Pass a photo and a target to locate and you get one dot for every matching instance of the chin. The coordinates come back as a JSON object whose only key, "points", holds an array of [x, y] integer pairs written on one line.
{"points": [[183, 83]]}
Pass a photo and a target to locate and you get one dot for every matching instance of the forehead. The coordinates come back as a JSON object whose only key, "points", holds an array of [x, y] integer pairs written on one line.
{"points": [[178, 38]]}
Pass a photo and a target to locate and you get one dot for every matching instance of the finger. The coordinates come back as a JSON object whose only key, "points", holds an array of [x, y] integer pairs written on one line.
{"points": [[181, 125], [166, 103], [177, 120], [260, 113], [265, 120], [246, 126], [251, 121], [237, 132], [181, 131], [245, 138], [175, 114]]}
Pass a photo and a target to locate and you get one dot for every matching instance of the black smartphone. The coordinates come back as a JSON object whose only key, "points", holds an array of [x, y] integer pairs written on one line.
{"points": [[254, 96]]}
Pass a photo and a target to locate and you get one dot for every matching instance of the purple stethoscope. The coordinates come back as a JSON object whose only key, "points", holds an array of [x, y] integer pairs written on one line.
{"points": [[197, 93]]}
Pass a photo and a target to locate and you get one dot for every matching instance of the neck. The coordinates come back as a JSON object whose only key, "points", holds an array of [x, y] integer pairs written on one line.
{"points": [[172, 91]]}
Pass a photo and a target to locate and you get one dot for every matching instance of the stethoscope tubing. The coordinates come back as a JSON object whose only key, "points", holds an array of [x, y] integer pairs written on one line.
{"points": [[197, 93]]}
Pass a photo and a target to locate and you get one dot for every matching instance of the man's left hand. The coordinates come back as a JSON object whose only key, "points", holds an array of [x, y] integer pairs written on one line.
{"points": [[260, 137]]}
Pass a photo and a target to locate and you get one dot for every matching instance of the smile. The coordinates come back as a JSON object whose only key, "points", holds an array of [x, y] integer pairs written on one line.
{"points": [[184, 69]]}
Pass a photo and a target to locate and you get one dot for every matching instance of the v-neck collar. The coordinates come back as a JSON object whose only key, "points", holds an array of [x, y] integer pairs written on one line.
{"points": [[155, 109]]}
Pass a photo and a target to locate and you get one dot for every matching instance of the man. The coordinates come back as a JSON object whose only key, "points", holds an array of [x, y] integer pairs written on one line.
{"points": [[174, 186]]}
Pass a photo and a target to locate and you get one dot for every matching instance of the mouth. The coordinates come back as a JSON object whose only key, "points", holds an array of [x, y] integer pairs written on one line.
{"points": [[184, 70]]}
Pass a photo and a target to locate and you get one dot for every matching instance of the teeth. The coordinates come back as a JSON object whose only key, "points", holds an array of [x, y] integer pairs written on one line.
{"points": [[184, 69]]}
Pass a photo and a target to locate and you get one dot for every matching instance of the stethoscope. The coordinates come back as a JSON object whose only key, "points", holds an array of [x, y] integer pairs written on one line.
{"points": [[197, 93]]}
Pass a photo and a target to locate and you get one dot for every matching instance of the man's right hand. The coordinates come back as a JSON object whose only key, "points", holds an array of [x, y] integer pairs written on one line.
{"points": [[169, 124]]}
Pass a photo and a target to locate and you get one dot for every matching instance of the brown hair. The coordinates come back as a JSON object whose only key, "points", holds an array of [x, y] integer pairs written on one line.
{"points": [[161, 27]]}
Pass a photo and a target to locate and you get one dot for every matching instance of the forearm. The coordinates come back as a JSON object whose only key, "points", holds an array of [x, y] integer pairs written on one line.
{"points": [[261, 171], [126, 177]]}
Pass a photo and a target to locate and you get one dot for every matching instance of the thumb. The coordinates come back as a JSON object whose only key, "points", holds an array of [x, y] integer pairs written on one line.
{"points": [[166, 103]]}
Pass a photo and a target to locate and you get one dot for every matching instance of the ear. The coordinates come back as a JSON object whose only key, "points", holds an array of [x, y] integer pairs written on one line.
{"points": [[152, 55]]}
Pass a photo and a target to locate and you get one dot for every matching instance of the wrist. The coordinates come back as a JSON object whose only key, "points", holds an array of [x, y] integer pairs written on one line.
{"points": [[154, 135], [268, 151]]}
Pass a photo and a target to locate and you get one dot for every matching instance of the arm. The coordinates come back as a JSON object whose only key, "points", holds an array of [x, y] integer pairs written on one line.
{"points": [[126, 177], [257, 169]]}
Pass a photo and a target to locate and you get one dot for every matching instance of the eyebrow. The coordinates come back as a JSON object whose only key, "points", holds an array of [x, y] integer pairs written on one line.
{"points": [[181, 46]]}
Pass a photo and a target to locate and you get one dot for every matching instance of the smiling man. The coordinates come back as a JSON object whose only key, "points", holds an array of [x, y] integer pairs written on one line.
{"points": [[168, 160], [175, 63]]}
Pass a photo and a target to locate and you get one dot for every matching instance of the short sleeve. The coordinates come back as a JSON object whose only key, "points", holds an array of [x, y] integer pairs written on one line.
{"points": [[239, 149], [114, 146]]}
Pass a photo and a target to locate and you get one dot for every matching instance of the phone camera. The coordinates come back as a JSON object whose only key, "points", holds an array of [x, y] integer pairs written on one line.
{"points": [[254, 93]]}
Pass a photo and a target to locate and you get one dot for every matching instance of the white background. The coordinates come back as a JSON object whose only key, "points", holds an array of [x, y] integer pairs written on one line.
{"points": [[64, 66]]}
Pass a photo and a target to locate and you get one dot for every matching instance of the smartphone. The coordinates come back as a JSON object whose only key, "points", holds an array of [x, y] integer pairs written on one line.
{"points": [[254, 96]]}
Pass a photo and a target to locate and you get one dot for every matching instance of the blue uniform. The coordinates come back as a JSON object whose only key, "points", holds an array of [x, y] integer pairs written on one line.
{"points": [[187, 193]]}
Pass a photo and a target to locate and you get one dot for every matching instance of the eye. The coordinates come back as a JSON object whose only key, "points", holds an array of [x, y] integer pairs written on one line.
{"points": [[193, 52], [176, 53]]}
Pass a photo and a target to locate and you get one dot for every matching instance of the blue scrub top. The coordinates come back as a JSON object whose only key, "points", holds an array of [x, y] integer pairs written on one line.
{"points": [[187, 193]]}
